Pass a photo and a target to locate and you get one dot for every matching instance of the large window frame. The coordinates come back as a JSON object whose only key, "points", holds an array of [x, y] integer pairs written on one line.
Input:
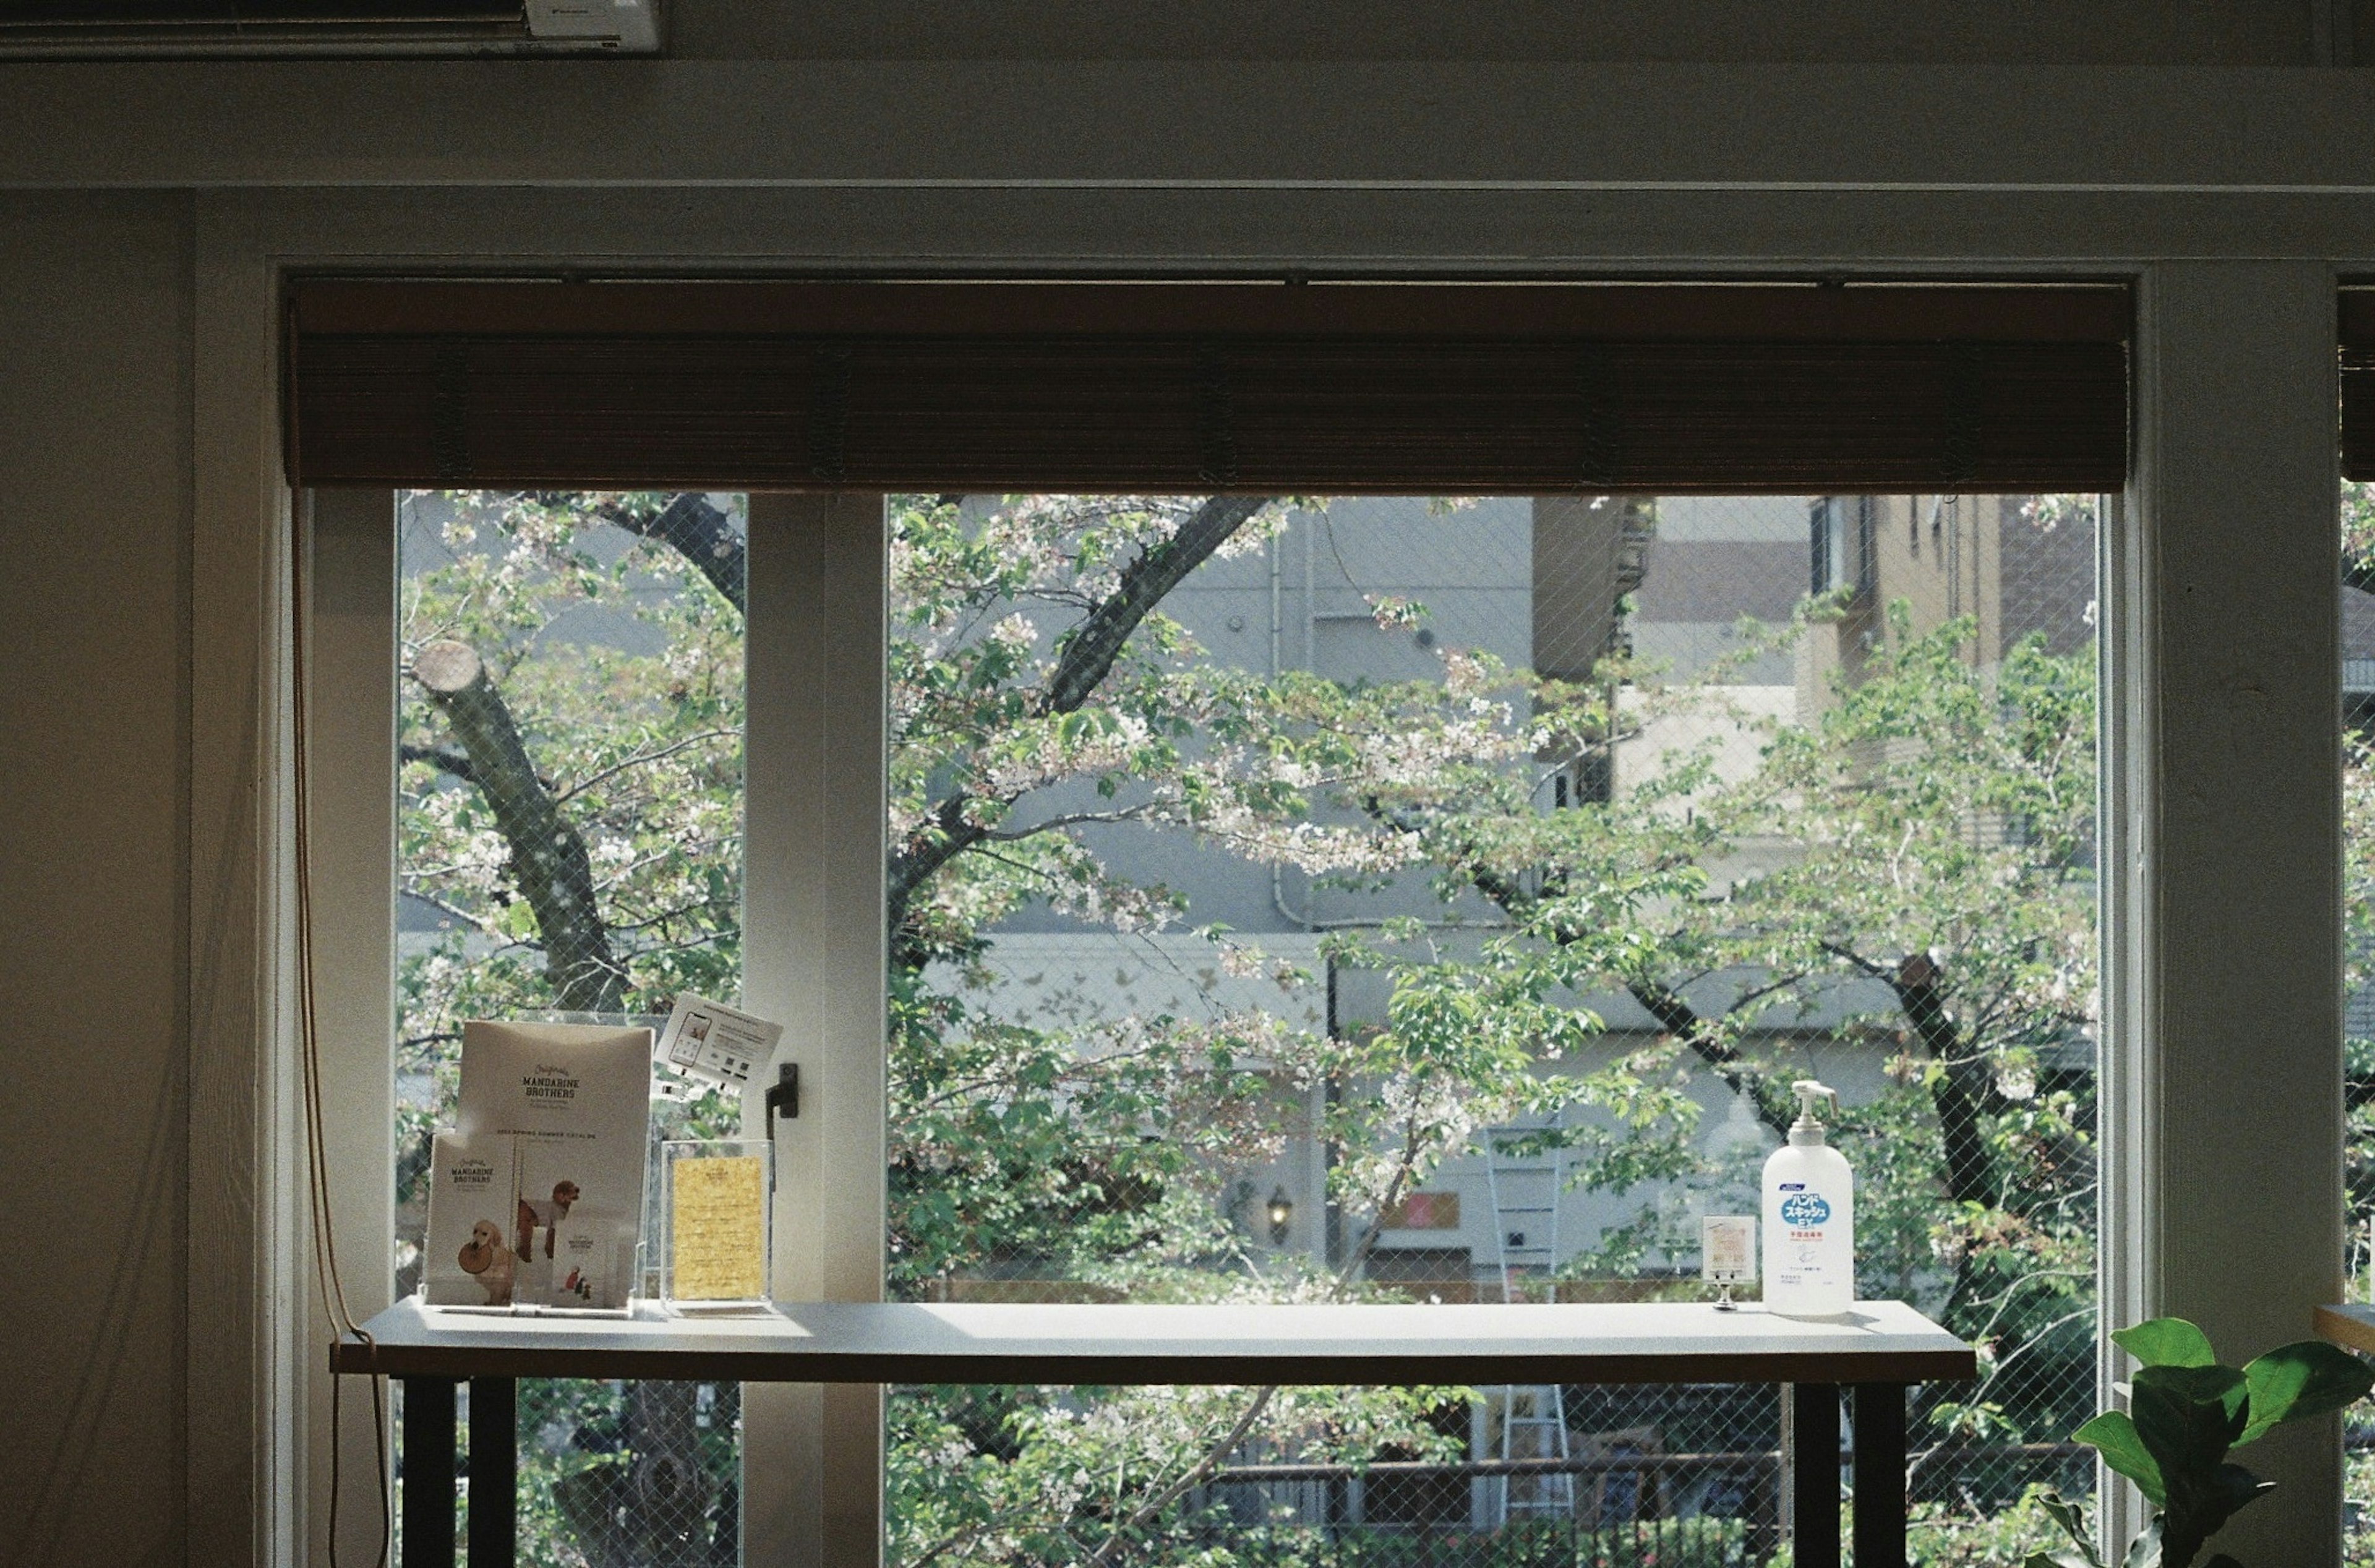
{"points": [[2221, 896], [814, 825], [2222, 1054]]}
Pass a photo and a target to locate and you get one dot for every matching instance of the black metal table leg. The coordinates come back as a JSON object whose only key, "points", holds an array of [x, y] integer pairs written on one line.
{"points": [[494, 1471], [429, 1497], [1879, 1475], [1814, 1474]]}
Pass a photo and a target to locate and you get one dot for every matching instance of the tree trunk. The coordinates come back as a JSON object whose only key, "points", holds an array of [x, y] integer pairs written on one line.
{"points": [[1960, 1094], [549, 861], [647, 1506]]}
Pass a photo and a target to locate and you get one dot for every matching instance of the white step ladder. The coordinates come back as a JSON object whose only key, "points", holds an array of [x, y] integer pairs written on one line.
{"points": [[1525, 1420]]}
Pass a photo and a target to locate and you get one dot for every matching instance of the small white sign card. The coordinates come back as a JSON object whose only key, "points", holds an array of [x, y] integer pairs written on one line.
{"points": [[1727, 1252], [709, 1040], [574, 1101]]}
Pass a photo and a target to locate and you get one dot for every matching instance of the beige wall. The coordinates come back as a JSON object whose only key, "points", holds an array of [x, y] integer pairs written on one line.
{"points": [[94, 497]]}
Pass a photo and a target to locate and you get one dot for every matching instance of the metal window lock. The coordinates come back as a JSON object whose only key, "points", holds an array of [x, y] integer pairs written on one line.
{"points": [[784, 1095]]}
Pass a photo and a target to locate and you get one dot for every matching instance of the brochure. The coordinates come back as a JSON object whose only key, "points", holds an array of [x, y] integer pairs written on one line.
{"points": [[469, 1260], [573, 1102]]}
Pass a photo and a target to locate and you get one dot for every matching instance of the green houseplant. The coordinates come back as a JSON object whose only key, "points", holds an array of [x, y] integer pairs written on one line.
{"points": [[2186, 1412]]}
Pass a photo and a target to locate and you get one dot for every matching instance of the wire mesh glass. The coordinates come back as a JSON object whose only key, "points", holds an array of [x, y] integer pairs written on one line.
{"points": [[569, 827], [2358, 539], [1432, 899]]}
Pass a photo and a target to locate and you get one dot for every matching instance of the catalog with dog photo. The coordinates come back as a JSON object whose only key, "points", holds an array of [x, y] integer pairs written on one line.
{"points": [[558, 1116], [470, 1260]]}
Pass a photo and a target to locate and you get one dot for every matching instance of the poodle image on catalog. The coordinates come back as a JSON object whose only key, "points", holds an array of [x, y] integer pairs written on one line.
{"points": [[486, 1260]]}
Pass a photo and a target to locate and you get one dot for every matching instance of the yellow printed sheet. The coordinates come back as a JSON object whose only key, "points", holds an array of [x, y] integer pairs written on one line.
{"points": [[717, 1229]]}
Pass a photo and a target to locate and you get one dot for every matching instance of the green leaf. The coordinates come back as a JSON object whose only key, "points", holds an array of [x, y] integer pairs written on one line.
{"points": [[2222, 1561], [2189, 1416], [2066, 1513], [2220, 1385], [2296, 1381], [2115, 1436], [2167, 1341], [2071, 1559], [2199, 1506], [2144, 1551]]}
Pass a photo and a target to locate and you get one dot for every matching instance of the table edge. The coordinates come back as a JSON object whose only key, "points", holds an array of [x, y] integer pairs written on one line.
{"points": [[2350, 1325], [1185, 1369]]}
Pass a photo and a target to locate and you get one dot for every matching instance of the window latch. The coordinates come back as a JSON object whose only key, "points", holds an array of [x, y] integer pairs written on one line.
{"points": [[784, 1095]]}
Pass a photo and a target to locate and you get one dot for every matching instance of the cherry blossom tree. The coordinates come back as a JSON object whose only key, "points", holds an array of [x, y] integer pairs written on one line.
{"points": [[571, 814]]}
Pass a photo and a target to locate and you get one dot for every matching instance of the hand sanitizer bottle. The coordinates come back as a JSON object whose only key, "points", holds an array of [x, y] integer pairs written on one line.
{"points": [[1809, 1218]]}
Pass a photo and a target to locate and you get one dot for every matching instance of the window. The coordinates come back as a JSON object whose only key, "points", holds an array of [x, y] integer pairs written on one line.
{"points": [[1840, 530], [570, 792], [1563, 811], [1274, 953], [2357, 537]]}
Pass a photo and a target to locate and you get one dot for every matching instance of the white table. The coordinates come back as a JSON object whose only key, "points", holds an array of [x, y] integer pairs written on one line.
{"points": [[1878, 1351]]}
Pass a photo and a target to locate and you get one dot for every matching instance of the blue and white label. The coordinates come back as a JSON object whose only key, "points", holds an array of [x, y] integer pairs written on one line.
{"points": [[1802, 1209]]}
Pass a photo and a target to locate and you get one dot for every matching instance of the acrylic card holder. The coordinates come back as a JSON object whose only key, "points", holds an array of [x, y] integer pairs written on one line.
{"points": [[1727, 1252], [715, 1243]]}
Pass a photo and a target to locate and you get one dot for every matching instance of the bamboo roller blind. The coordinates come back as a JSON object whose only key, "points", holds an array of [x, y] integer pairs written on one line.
{"points": [[1269, 388]]}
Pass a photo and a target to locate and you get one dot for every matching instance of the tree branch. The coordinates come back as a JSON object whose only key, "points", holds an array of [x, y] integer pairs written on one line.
{"points": [[1356, 1257], [1091, 649], [1073, 820], [951, 1541], [1088, 656], [442, 907], [448, 760], [637, 760], [704, 537], [1962, 1093], [702, 533], [1111, 1547], [1681, 1021]]}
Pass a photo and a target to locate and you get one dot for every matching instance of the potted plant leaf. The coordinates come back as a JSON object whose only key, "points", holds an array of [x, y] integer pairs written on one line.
{"points": [[2186, 1412]]}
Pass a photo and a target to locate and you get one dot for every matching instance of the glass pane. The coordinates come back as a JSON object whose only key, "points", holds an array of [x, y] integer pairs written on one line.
{"points": [[570, 797], [2359, 981], [1432, 899]]}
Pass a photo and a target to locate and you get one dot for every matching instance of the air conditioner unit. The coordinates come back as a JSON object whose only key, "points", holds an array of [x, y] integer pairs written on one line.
{"points": [[193, 29]]}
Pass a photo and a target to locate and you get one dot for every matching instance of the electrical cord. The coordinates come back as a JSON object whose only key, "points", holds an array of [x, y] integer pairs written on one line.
{"points": [[326, 1248]]}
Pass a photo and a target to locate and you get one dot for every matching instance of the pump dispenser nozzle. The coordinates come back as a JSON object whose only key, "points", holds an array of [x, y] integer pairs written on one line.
{"points": [[1808, 1127]]}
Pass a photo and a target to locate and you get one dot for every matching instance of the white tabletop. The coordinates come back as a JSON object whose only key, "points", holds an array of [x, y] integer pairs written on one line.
{"points": [[1003, 1343]]}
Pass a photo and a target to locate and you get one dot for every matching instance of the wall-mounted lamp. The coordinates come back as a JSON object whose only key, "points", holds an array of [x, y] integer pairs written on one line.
{"points": [[1282, 1216]]}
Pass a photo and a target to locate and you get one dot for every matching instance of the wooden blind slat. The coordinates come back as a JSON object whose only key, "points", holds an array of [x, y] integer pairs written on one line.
{"points": [[1375, 391]]}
